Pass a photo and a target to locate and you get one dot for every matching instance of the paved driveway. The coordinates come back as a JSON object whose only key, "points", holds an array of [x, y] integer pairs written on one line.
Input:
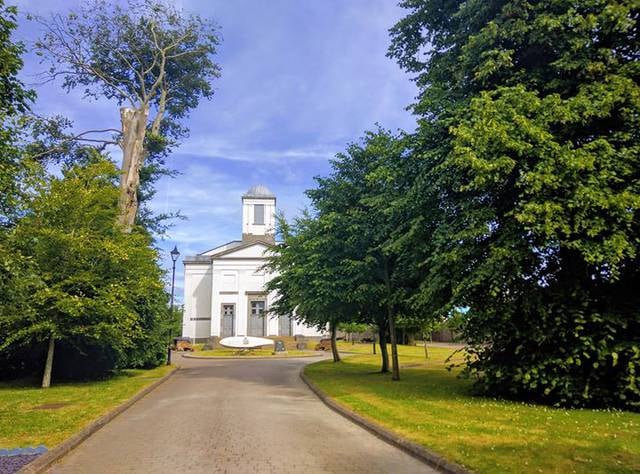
{"points": [[235, 416]]}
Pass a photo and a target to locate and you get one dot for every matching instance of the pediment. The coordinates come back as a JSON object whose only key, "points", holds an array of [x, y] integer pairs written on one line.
{"points": [[222, 248], [247, 250]]}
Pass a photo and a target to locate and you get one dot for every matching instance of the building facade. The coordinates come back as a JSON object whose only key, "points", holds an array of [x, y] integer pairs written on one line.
{"points": [[224, 292]]}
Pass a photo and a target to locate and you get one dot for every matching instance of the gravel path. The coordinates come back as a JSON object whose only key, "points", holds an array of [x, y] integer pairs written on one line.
{"points": [[236, 416], [11, 464]]}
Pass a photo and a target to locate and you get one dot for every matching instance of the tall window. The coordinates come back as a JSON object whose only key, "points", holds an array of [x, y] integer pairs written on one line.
{"points": [[258, 214]]}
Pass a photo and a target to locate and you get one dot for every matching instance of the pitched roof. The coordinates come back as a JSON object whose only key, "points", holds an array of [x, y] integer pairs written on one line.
{"points": [[244, 245], [229, 245]]}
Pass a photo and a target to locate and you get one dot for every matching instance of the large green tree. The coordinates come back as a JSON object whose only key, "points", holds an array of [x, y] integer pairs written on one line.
{"points": [[17, 278], [365, 190], [341, 264], [308, 275], [72, 283], [97, 289], [529, 189], [14, 101]]}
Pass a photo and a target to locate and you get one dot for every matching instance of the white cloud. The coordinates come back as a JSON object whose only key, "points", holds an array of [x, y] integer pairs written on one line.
{"points": [[216, 147], [299, 81]]}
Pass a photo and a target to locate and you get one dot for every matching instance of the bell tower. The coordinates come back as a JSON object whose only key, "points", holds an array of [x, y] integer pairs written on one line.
{"points": [[258, 214]]}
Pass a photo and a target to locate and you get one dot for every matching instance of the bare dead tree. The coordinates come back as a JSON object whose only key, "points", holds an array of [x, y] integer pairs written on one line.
{"points": [[153, 60]]}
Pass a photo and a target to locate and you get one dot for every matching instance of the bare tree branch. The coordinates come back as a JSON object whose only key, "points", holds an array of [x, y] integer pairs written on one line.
{"points": [[72, 55], [79, 137], [162, 103], [185, 53], [144, 54], [107, 142]]}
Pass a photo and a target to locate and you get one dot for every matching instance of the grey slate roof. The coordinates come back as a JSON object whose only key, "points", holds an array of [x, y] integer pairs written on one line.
{"points": [[258, 191], [197, 259], [231, 244], [245, 244], [204, 259]]}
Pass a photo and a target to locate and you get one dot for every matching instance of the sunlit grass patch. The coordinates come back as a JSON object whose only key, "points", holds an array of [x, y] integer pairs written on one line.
{"points": [[432, 406], [30, 416], [246, 353]]}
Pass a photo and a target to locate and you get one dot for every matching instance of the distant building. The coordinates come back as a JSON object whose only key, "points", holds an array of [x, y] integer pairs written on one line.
{"points": [[224, 291]]}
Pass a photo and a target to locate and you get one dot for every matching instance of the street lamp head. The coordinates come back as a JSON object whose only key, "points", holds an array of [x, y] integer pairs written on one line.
{"points": [[174, 253]]}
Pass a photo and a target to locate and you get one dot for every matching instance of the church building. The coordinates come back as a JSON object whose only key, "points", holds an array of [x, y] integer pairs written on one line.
{"points": [[224, 292]]}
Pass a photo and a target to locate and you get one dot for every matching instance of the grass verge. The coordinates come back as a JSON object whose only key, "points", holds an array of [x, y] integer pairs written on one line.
{"points": [[253, 353], [431, 406], [30, 416]]}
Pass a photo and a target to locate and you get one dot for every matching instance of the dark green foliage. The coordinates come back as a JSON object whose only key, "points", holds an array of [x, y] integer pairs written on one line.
{"points": [[309, 279], [345, 253], [81, 359], [66, 271], [529, 189], [97, 291], [18, 282], [24, 361], [14, 97], [149, 344], [14, 101]]}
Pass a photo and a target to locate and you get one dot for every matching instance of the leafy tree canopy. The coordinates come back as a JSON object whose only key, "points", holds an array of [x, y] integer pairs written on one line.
{"points": [[14, 97], [529, 188], [14, 101], [153, 60], [345, 253], [147, 53], [96, 286]]}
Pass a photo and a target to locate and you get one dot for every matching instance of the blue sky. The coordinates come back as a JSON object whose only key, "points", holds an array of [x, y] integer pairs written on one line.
{"points": [[300, 79]]}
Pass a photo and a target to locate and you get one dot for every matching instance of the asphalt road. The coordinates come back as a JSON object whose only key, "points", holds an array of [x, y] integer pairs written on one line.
{"points": [[235, 416]]}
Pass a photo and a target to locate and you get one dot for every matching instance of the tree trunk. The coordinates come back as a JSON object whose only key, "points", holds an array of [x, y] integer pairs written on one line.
{"points": [[426, 351], [395, 366], [334, 343], [134, 128], [384, 353], [46, 377]]}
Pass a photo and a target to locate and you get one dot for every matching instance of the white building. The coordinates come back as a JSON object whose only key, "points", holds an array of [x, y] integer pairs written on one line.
{"points": [[224, 291]]}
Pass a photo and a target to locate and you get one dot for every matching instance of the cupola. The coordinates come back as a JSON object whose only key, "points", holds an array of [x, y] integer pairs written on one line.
{"points": [[258, 214]]}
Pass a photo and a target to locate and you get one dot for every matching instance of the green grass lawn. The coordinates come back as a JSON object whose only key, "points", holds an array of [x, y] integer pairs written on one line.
{"points": [[25, 419], [433, 407], [253, 353]]}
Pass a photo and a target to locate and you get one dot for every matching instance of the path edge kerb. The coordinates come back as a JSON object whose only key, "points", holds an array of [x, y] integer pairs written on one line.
{"points": [[419, 452], [42, 462]]}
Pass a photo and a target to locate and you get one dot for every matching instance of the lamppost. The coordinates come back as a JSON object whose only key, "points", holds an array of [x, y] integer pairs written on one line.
{"points": [[174, 258]]}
